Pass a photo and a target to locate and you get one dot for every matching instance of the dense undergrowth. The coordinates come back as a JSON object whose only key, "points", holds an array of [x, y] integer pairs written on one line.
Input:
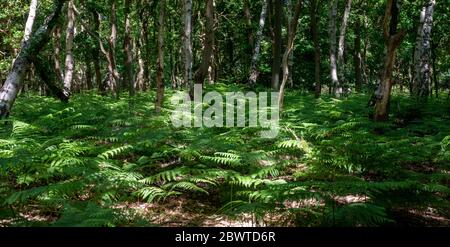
{"points": [[77, 164]]}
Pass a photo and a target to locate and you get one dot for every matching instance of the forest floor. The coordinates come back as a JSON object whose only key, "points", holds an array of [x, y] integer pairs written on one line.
{"points": [[103, 162]]}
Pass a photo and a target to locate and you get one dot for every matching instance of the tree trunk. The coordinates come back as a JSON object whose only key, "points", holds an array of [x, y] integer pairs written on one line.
{"points": [[128, 58], [13, 83], [290, 6], [206, 66], [341, 49], [422, 56], [357, 56], [96, 55], [141, 64], [290, 46], [187, 43], [277, 45], [248, 23], [70, 33], [112, 67], [332, 33], [317, 52], [30, 21], [393, 38], [160, 61], [254, 73], [57, 54], [435, 69], [50, 78]]}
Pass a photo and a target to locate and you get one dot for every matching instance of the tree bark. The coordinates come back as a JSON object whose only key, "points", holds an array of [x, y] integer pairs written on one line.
{"points": [[160, 61], [13, 83], [248, 23], [187, 43], [254, 73], [332, 33], [290, 46], [57, 54], [206, 67], [393, 38], [277, 45], [30, 21], [317, 51], [96, 54], [422, 56], [140, 80], [357, 56], [128, 59], [70, 33], [112, 67], [50, 78], [341, 49]]}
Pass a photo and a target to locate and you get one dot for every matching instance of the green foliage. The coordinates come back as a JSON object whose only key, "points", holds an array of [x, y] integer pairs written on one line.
{"points": [[79, 161]]}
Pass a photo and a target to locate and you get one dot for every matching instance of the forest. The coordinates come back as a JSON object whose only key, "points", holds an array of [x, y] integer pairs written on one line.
{"points": [[91, 89]]}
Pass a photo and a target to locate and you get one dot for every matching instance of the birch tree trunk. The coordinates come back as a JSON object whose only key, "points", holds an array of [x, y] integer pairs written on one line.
{"points": [[254, 73], [277, 45], [30, 21], [393, 38], [112, 67], [33, 45], [341, 49], [70, 33], [332, 33], [422, 57], [57, 54], [160, 61], [96, 54], [187, 43], [128, 59], [140, 80], [357, 56], [206, 66], [317, 52], [290, 46]]}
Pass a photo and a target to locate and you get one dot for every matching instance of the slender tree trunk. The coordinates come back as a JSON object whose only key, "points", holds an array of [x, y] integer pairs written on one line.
{"points": [[290, 46], [277, 52], [254, 73], [248, 23], [147, 56], [422, 56], [435, 70], [187, 43], [30, 21], [96, 54], [57, 54], [206, 66], [70, 33], [341, 49], [332, 33], [140, 80], [128, 59], [112, 67], [160, 61], [13, 83], [144, 42], [393, 38], [317, 52], [357, 56]]}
